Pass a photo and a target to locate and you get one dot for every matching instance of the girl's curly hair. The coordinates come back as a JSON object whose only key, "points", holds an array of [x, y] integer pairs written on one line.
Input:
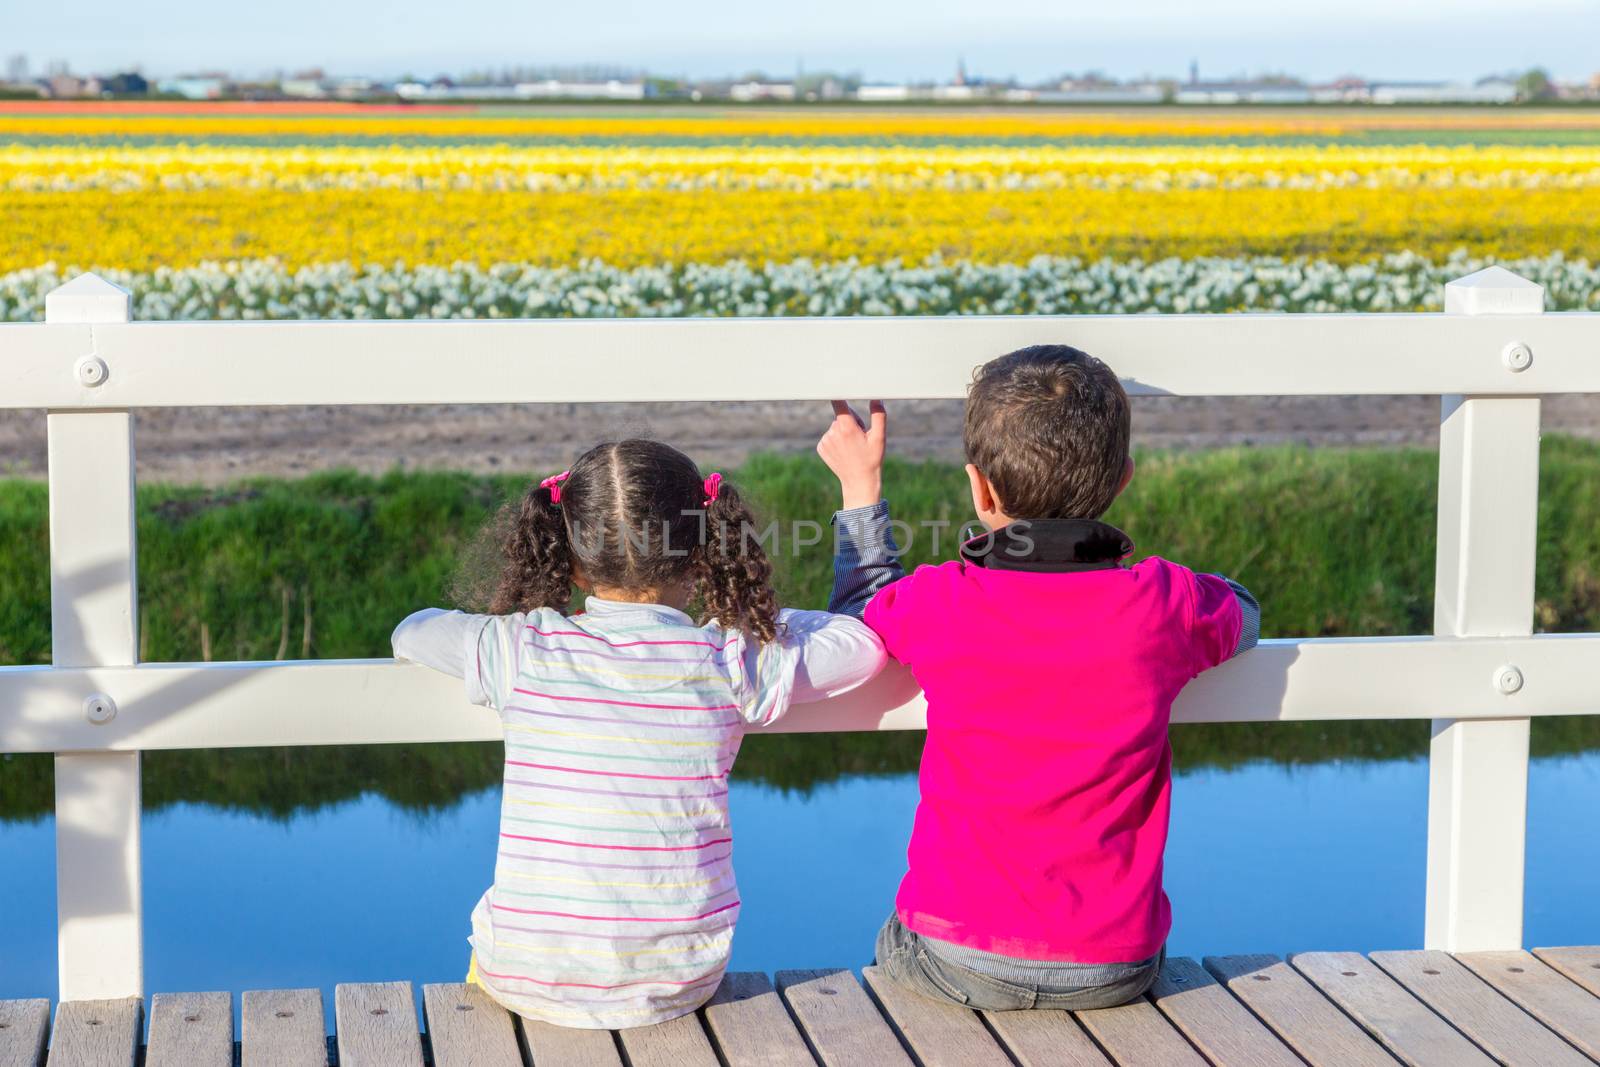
{"points": [[633, 515]]}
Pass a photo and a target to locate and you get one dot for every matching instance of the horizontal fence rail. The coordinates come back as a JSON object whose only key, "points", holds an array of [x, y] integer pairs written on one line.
{"points": [[1480, 679], [181, 364], [356, 702]]}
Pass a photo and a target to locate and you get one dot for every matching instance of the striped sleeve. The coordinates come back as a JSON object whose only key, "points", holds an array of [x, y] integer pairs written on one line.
{"points": [[493, 644], [817, 655], [837, 653], [763, 678]]}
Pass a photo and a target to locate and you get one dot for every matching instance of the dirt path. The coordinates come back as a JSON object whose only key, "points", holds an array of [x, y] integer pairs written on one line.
{"points": [[214, 445]]}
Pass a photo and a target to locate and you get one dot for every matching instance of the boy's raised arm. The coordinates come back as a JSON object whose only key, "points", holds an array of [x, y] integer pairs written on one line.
{"points": [[865, 558], [865, 555]]}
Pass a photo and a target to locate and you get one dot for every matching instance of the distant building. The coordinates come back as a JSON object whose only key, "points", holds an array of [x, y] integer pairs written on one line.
{"points": [[131, 83], [749, 91], [64, 86], [1347, 90], [194, 87], [1270, 92], [1136, 93], [611, 89], [303, 88], [1485, 91], [549, 89], [883, 94], [356, 88]]}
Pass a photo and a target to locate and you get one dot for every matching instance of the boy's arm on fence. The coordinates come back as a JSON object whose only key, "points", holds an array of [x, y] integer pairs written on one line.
{"points": [[1250, 617], [865, 557], [1227, 620]]}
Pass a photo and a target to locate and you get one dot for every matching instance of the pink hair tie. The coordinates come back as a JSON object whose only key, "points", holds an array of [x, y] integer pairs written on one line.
{"points": [[553, 483], [713, 486]]}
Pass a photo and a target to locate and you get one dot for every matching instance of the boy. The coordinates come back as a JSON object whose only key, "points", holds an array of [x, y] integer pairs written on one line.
{"points": [[1049, 666]]}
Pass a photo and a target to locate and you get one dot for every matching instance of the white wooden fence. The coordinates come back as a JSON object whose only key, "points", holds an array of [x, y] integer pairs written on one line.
{"points": [[1479, 678]]}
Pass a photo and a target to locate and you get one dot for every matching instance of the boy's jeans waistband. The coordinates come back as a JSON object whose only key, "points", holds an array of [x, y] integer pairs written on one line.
{"points": [[1052, 973], [990, 982]]}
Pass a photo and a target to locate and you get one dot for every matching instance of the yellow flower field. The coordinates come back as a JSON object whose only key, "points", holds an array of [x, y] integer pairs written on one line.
{"points": [[505, 168], [171, 186], [150, 228]]}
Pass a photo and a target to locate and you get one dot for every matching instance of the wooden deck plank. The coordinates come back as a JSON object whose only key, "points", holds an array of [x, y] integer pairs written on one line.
{"points": [[190, 1030], [1498, 1026], [24, 1032], [751, 1027], [1137, 1035], [466, 1028], [939, 1035], [680, 1042], [1307, 1021], [563, 1046], [839, 1020], [97, 1033], [1407, 1027], [377, 1025], [1580, 963], [1214, 1022], [282, 1028], [1045, 1039], [1542, 992]]}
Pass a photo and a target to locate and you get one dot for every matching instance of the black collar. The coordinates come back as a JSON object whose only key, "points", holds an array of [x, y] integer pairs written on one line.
{"points": [[1050, 545]]}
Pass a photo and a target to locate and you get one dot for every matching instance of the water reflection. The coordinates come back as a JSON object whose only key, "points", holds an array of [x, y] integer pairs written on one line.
{"points": [[278, 783]]}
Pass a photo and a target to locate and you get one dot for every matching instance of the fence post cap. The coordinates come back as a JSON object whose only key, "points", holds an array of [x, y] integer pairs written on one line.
{"points": [[88, 298], [1493, 290]]}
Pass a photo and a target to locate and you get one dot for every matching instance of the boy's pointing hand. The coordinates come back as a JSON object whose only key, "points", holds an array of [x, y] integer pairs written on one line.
{"points": [[853, 450]]}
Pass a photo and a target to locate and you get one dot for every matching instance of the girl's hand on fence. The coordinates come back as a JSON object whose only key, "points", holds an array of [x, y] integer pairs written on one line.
{"points": [[853, 451]]}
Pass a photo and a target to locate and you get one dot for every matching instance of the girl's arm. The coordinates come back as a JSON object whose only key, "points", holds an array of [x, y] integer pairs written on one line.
{"points": [[836, 653], [436, 638], [817, 655], [479, 649]]}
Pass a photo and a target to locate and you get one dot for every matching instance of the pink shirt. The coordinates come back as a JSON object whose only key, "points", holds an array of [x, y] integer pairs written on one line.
{"points": [[1046, 777]]}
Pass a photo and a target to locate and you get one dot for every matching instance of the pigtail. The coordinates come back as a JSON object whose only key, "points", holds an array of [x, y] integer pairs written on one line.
{"points": [[536, 564], [735, 574]]}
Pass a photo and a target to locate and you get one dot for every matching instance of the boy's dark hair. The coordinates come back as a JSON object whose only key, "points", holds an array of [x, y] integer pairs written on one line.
{"points": [[633, 514], [1048, 426]]}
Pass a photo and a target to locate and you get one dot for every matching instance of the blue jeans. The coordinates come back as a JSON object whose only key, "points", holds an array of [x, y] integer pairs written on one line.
{"points": [[987, 982]]}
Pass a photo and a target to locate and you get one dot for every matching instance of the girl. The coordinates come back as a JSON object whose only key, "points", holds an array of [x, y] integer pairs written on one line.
{"points": [[614, 902]]}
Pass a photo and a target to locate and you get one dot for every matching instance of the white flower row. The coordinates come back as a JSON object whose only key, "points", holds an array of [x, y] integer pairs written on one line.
{"points": [[128, 180], [265, 289]]}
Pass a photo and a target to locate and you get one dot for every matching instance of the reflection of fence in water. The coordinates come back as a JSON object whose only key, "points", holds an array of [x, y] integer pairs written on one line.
{"points": [[1490, 356], [280, 783]]}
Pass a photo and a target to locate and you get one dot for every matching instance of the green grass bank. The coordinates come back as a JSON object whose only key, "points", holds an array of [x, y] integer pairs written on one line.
{"points": [[1333, 542]]}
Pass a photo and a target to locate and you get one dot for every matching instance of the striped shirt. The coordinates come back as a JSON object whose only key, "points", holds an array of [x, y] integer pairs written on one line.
{"points": [[614, 899]]}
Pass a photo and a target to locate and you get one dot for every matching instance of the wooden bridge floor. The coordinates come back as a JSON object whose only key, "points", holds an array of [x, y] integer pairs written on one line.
{"points": [[1335, 1008]]}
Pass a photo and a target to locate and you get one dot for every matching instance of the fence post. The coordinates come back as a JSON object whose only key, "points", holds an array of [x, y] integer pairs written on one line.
{"points": [[94, 622], [1488, 527]]}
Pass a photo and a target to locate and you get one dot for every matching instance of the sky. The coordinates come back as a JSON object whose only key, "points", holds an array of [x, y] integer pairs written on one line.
{"points": [[886, 40]]}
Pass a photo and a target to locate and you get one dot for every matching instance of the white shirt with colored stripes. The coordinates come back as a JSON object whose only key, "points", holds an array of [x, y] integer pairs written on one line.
{"points": [[614, 900]]}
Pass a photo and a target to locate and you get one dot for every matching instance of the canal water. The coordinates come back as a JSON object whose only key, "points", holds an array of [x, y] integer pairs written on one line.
{"points": [[307, 867]]}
